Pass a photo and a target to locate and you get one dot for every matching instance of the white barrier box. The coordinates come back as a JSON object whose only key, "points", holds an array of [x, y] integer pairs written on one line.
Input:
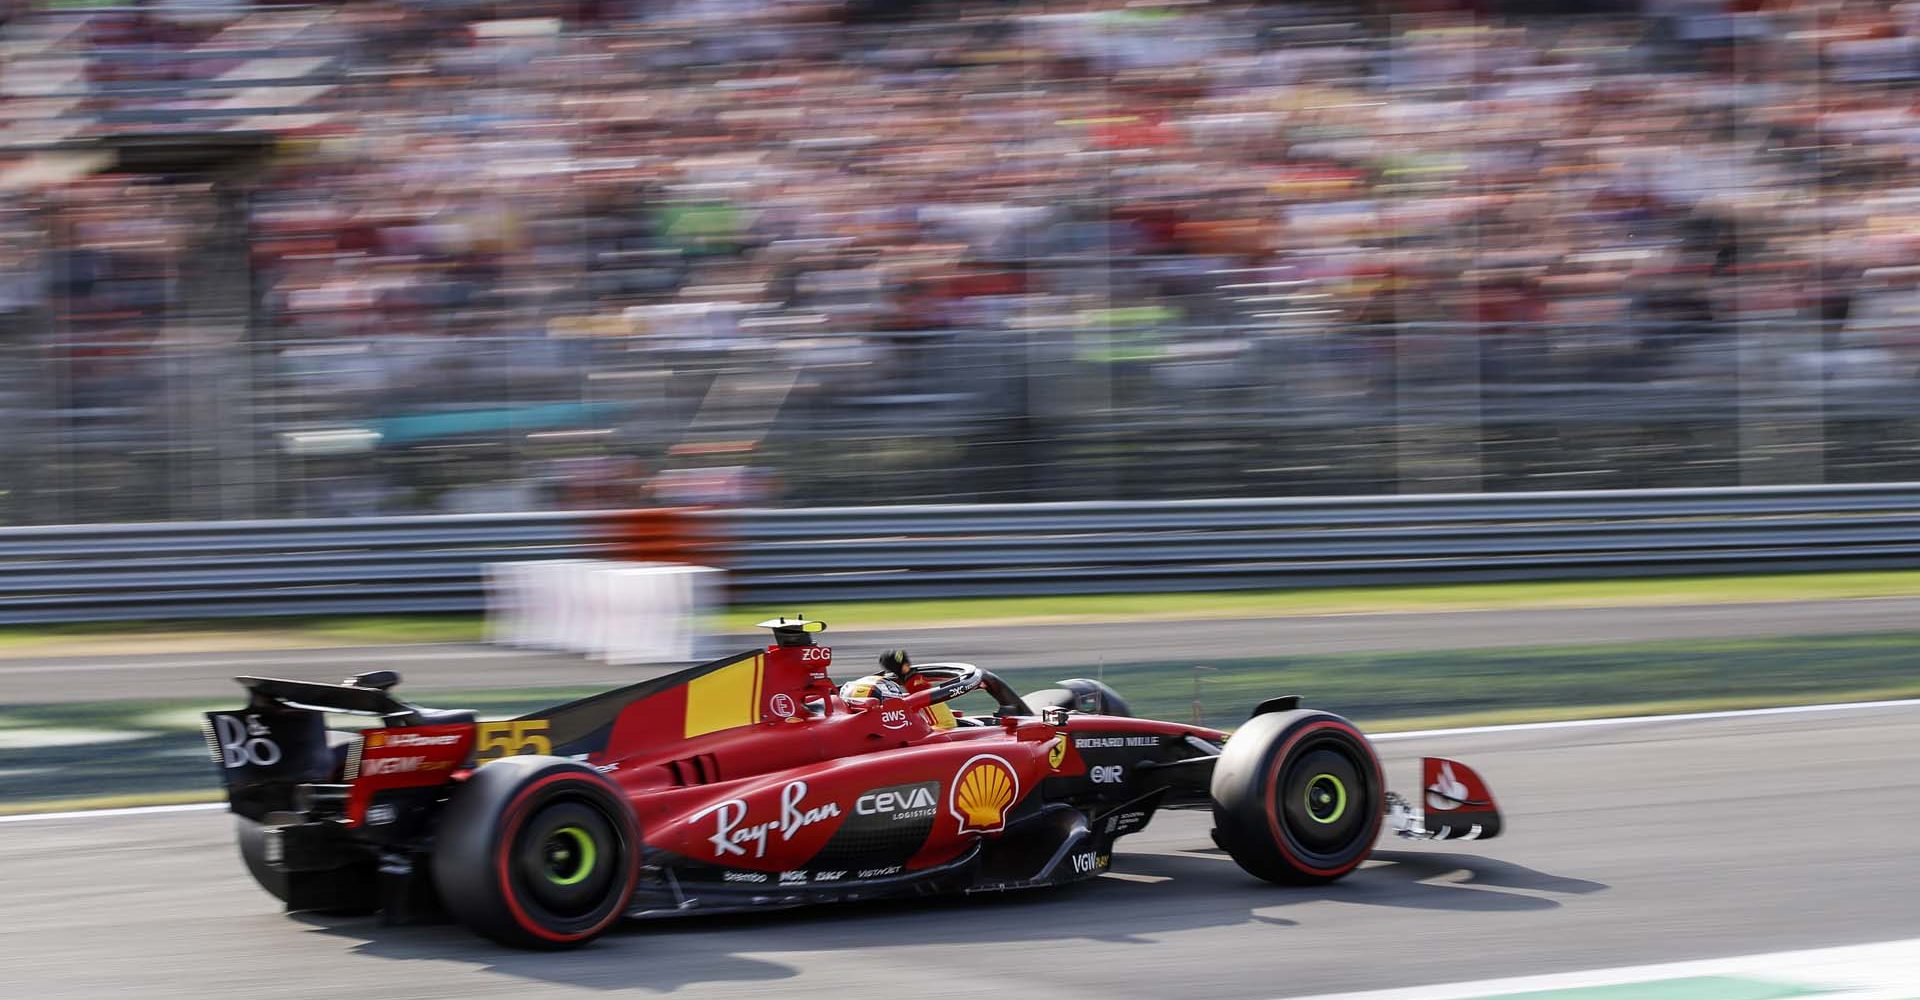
{"points": [[519, 603], [506, 612], [652, 614], [571, 591], [551, 588], [620, 612]]}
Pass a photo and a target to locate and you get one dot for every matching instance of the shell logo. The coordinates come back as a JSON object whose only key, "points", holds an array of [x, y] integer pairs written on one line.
{"points": [[375, 740], [983, 790]]}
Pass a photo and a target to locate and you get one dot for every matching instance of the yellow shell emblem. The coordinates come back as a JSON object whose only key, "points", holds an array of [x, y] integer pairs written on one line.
{"points": [[983, 790]]}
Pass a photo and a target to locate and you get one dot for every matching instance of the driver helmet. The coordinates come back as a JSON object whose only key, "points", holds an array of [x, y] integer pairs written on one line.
{"points": [[878, 686]]}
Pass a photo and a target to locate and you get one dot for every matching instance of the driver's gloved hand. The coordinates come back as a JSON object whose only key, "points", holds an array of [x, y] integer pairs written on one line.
{"points": [[895, 664]]}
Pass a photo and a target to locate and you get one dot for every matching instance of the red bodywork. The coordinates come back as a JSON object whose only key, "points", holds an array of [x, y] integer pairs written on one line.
{"points": [[751, 783], [754, 766]]}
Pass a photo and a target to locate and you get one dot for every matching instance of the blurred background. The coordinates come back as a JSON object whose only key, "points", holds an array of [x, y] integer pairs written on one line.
{"points": [[1454, 363], [428, 256]]}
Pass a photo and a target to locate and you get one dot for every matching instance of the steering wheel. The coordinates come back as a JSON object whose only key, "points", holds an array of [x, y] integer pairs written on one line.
{"points": [[950, 681]]}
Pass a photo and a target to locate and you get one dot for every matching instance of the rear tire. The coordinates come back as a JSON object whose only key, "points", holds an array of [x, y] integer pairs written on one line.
{"points": [[350, 890], [1298, 797], [536, 852], [252, 838], [346, 890]]}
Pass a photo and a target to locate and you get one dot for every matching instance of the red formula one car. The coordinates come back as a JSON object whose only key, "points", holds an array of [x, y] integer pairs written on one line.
{"points": [[752, 782]]}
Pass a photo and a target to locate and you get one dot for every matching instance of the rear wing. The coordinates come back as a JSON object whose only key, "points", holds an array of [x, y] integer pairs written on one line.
{"points": [[265, 751], [313, 696], [276, 755]]}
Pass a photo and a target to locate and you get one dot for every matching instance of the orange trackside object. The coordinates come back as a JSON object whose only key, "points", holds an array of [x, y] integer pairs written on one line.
{"points": [[661, 534]]}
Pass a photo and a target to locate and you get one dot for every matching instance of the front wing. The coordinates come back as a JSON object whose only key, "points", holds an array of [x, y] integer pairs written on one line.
{"points": [[1454, 804]]}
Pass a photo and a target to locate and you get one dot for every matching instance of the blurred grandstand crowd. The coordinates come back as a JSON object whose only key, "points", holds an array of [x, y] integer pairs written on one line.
{"points": [[1612, 193]]}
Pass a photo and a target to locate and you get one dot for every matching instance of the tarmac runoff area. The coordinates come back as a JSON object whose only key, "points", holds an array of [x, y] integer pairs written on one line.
{"points": [[1769, 854]]}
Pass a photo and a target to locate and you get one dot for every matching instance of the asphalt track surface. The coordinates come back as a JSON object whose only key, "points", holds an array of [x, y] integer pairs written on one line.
{"points": [[1628, 844], [469, 667]]}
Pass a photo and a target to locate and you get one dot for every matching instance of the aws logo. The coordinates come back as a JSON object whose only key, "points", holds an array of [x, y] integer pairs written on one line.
{"points": [[984, 789]]}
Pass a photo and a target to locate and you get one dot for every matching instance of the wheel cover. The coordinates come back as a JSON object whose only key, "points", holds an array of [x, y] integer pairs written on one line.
{"points": [[1326, 798], [565, 860], [571, 854]]}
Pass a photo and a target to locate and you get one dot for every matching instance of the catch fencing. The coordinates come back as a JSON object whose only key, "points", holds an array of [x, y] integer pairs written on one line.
{"points": [[816, 555]]}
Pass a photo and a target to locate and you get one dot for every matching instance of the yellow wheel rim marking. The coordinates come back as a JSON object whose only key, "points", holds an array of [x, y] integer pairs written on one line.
{"points": [[1324, 788], [587, 854]]}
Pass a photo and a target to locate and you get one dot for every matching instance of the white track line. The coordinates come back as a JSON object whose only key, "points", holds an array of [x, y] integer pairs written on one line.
{"points": [[1518, 727], [107, 813], [1885, 971], [1631, 720]]}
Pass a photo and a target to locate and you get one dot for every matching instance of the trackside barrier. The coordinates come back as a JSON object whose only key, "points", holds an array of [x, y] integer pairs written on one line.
{"points": [[616, 611], [805, 556], [986, 550]]}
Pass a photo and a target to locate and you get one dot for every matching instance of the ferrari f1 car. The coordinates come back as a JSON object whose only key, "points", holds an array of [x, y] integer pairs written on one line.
{"points": [[751, 782]]}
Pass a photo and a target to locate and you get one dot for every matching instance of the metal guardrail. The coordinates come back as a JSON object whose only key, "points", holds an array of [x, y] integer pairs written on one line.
{"points": [[237, 569], [1081, 548], [429, 563]]}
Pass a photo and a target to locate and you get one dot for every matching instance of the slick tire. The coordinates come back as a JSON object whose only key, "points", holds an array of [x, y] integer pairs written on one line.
{"points": [[1298, 797], [536, 852], [348, 890], [252, 838]]}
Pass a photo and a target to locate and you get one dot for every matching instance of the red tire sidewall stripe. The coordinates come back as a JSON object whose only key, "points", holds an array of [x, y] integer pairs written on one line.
{"points": [[516, 814], [1272, 804]]}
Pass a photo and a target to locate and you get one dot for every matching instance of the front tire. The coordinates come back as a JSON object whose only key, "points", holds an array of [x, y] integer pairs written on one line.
{"points": [[536, 852], [1298, 797]]}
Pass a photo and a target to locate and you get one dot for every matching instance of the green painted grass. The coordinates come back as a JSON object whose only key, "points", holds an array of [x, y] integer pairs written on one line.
{"points": [[383, 630], [1688, 988], [176, 715], [265, 633], [285, 633], [1479, 687], [1347, 600]]}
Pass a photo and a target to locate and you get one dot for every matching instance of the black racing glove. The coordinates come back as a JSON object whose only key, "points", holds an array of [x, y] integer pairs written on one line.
{"points": [[895, 664]]}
